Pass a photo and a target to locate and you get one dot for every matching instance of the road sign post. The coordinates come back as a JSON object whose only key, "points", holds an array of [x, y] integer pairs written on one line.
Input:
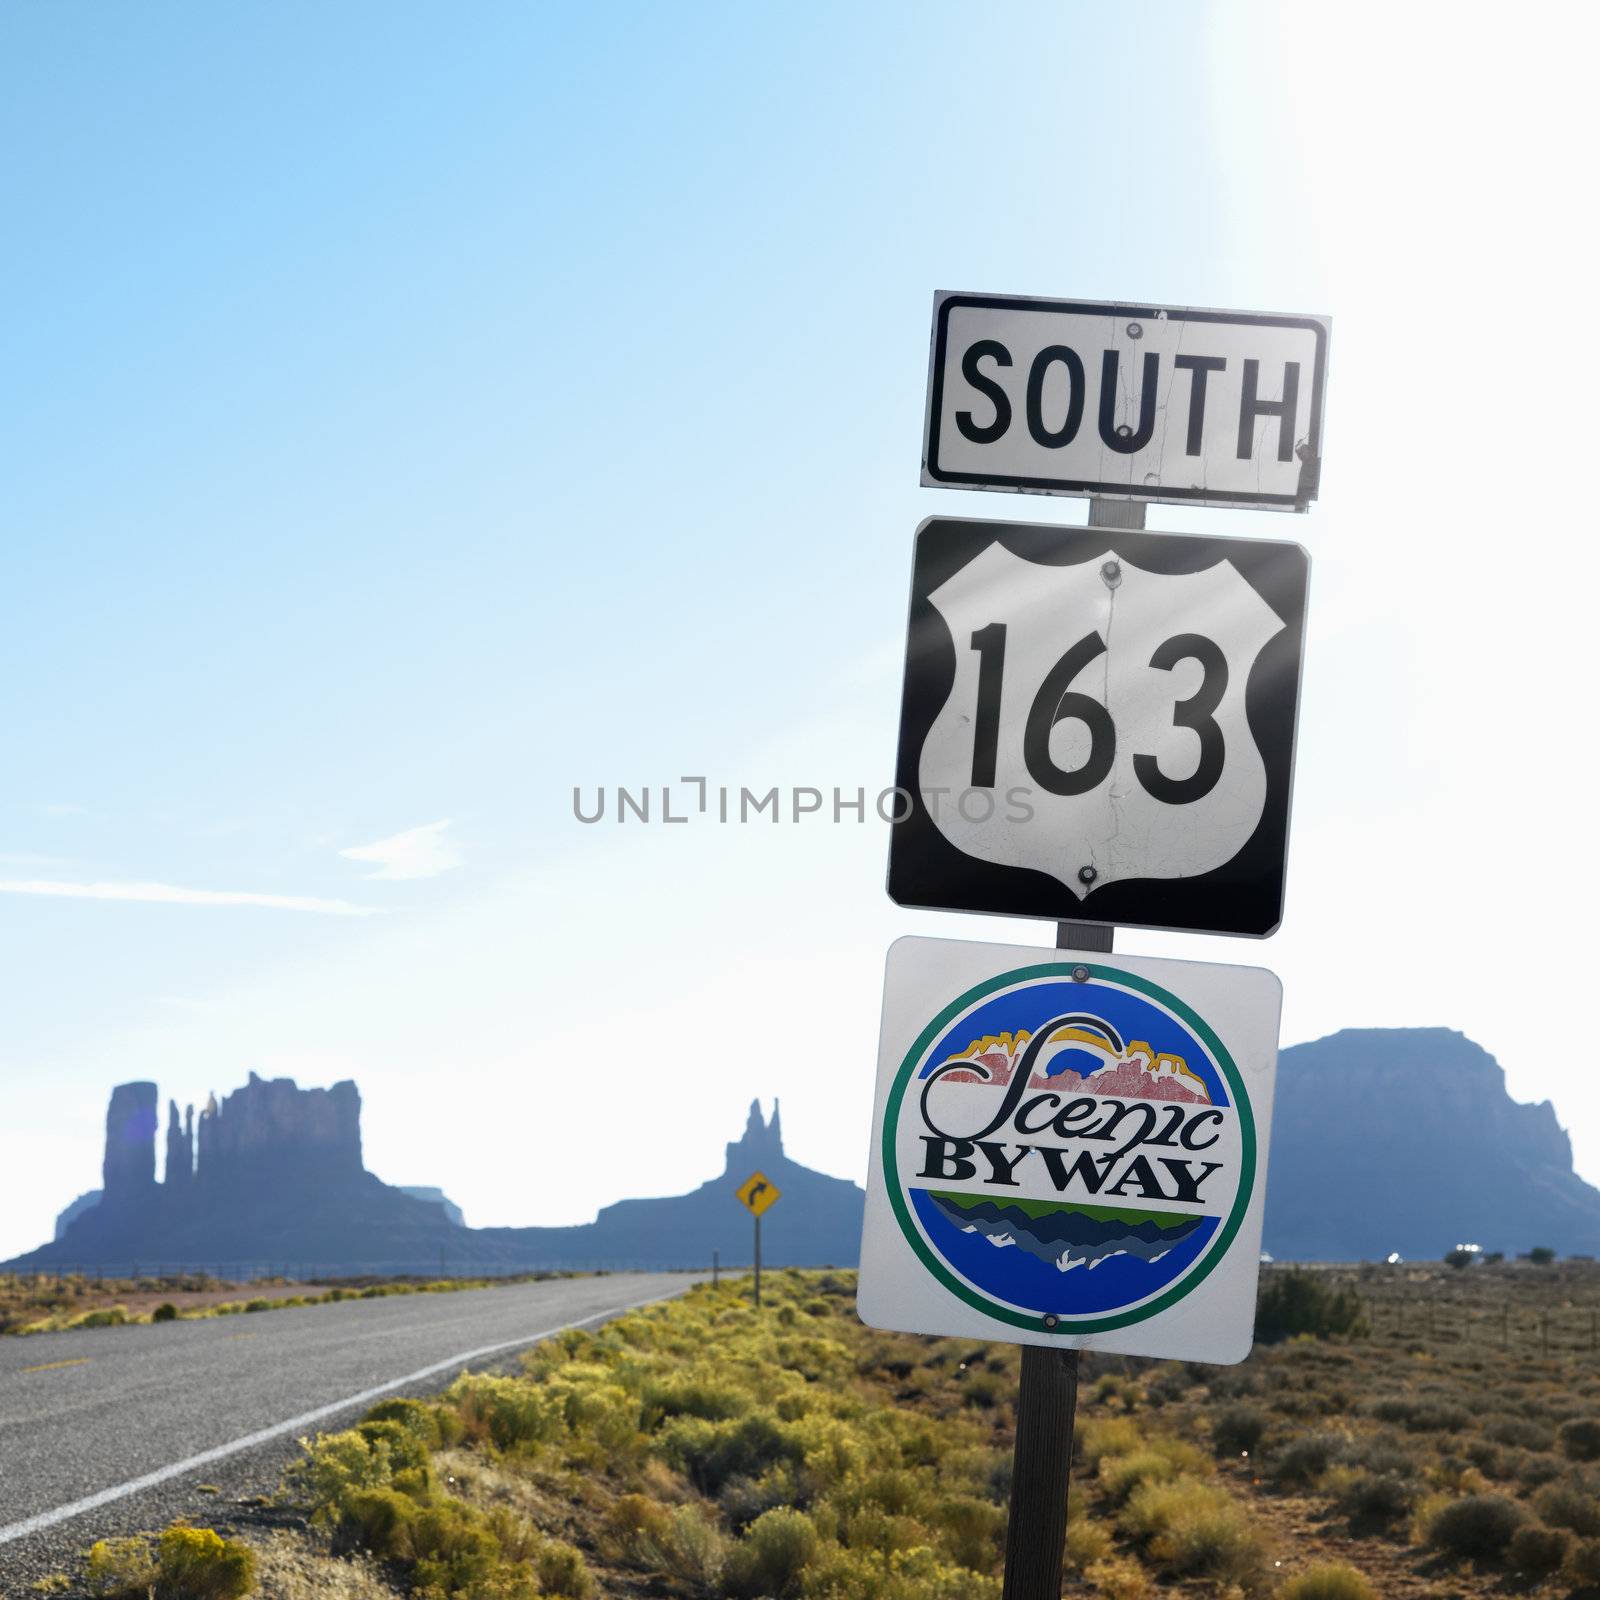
{"points": [[1071, 1154], [757, 1194]]}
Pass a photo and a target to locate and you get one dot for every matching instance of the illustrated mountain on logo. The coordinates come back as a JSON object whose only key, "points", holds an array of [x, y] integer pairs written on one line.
{"points": [[1068, 1236], [1089, 1055]]}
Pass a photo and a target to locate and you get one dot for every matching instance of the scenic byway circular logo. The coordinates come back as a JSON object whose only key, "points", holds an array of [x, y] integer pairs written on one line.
{"points": [[1069, 1153]]}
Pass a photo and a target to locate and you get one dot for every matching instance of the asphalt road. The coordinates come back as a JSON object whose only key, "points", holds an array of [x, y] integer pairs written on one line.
{"points": [[111, 1430]]}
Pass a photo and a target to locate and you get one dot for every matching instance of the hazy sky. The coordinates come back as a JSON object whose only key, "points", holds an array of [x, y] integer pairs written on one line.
{"points": [[411, 412]]}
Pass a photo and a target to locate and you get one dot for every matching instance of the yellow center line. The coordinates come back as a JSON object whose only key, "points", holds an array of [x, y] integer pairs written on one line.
{"points": [[54, 1366]]}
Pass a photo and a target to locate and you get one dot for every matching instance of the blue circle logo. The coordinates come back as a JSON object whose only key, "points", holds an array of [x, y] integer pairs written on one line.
{"points": [[1069, 1153]]}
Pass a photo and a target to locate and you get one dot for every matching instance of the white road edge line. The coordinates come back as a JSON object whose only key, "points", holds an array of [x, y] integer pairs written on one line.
{"points": [[48, 1519]]}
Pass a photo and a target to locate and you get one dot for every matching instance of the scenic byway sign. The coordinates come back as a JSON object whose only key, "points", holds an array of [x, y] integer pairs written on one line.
{"points": [[1098, 725], [1120, 401], [1069, 1150]]}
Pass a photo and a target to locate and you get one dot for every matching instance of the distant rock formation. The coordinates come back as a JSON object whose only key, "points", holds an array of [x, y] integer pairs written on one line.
{"points": [[1405, 1140], [816, 1221], [129, 1168], [179, 1171], [83, 1203], [453, 1213], [271, 1178]]}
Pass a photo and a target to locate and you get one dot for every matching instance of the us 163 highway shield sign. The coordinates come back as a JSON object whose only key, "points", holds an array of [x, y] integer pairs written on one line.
{"points": [[1098, 725], [1069, 1149]]}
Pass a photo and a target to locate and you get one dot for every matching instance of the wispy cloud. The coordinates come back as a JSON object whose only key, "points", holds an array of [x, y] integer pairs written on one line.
{"points": [[417, 853], [171, 894]]}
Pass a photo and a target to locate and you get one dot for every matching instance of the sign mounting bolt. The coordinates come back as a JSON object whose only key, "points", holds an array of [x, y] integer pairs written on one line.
{"points": [[1087, 874], [1111, 573], [1080, 974], [1135, 331], [1051, 1321]]}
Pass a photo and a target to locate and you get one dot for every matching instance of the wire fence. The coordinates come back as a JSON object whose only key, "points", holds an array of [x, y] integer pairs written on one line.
{"points": [[201, 1273], [1519, 1307]]}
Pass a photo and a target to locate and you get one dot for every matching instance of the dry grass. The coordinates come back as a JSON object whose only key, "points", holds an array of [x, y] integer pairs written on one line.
{"points": [[294, 1566], [700, 1451], [42, 1303]]}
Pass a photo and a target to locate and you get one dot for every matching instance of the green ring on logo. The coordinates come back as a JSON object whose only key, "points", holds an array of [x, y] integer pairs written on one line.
{"points": [[1100, 1324]]}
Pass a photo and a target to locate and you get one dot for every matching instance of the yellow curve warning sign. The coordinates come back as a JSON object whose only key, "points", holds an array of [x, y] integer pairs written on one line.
{"points": [[757, 1192]]}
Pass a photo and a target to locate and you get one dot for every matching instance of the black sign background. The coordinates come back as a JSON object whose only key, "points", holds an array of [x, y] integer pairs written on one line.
{"points": [[1243, 896]]}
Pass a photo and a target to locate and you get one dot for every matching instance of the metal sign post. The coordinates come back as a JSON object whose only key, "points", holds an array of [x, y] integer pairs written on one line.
{"points": [[756, 1194], [1047, 1398], [1047, 1413]]}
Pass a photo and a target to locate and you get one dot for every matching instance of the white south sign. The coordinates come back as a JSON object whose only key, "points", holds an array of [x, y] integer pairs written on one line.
{"points": [[1125, 401]]}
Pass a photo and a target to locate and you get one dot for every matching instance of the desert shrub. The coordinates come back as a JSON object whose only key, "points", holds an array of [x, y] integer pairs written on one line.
{"points": [[1477, 1526], [455, 1551], [1580, 1438], [258, 1305], [1237, 1430], [199, 1564], [1380, 1452], [1120, 1579], [680, 1542], [773, 1555], [509, 1412], [1583, 1564], [435, 1426], [1522, 1432], [1303, 1460], [1541, 1255], [1537, 1552], [1533, 1470], [1377, 1498], [1087, 1543], [1166, 1385], [165, 1312], [120, 1567], [1159, 1459], [1422, 1415], [983, 1390], [1182, 1507], [377, 1520], [1121, 1475], [712, 1454], [1297, 1301], [1328, 1580], [690, 1396], [1569, 1505], [403, 1447], [744, 1499], [971, 1532], [562, 1571], [1107, 1436], [103, 1317], [1212, 1537], [916, 1574], [337, 1465]]}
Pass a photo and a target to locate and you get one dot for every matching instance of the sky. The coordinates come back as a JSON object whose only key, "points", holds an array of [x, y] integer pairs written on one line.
{"points": [[412, 414]]}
